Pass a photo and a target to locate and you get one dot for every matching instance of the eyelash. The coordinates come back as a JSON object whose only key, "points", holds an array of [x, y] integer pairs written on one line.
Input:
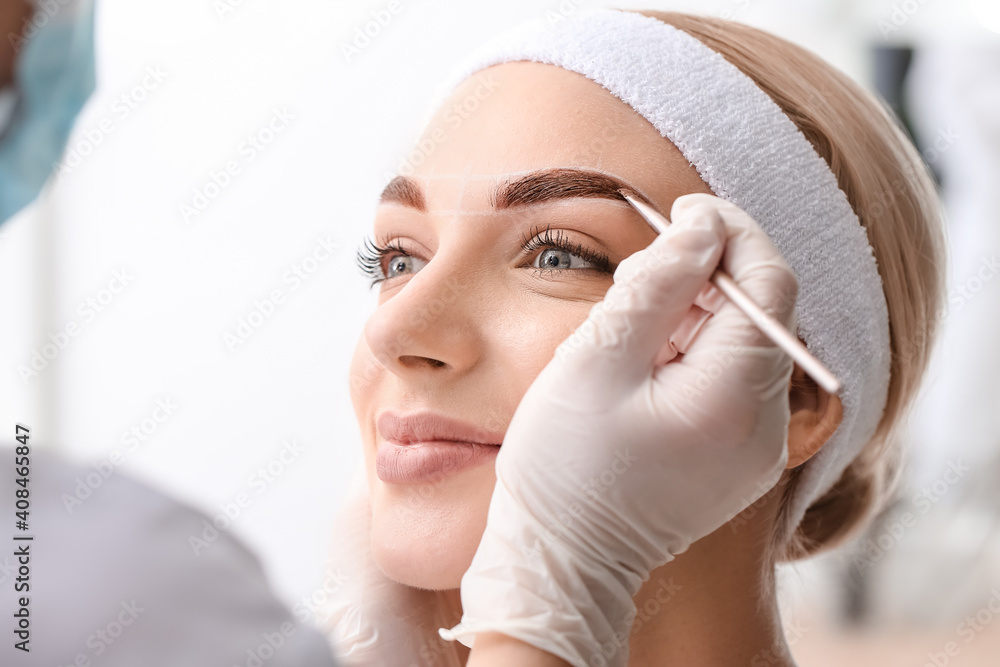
{"points": [[371, 254]]}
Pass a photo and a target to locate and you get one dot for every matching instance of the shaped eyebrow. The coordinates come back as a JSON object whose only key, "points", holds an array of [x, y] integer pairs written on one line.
{"points": [[405, 191], [535, 187]]}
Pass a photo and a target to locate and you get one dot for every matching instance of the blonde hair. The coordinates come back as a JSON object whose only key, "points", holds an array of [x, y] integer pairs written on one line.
{"points": [[893, 194]]}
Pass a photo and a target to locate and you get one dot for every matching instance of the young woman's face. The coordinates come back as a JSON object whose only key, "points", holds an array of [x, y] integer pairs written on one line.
{"points": [[494, 259]]}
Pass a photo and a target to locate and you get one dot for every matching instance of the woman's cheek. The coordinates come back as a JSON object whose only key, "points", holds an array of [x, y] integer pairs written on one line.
{"points": [[531, 339], [363, 375]]}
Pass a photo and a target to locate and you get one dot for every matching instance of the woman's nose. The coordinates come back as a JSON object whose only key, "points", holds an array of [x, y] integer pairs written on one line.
{"points": [[428, 324]]}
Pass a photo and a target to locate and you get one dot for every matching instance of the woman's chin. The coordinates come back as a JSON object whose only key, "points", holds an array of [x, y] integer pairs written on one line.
{"points": [[419, 560], [414, 571], [427, 548], [428, 541]]}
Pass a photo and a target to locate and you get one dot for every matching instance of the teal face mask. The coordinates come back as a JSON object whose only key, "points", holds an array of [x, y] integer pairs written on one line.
{"points": [[53, 79]]}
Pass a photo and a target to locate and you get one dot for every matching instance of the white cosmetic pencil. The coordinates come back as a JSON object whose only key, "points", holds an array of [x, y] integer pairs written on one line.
{"points": [[769, 326]]}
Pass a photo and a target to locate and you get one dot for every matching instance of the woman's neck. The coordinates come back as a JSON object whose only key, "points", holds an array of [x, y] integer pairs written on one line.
{"points": [[714, 605]]}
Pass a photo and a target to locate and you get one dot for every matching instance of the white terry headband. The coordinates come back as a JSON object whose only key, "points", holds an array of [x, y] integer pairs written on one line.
{"points": [[751, 154]]}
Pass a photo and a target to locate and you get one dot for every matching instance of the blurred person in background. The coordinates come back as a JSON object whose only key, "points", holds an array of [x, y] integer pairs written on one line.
{"points": [[114, 579], [46, 76]]}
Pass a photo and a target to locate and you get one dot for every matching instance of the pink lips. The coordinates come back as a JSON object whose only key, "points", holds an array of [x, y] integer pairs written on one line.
{"points": [[427, 447]]}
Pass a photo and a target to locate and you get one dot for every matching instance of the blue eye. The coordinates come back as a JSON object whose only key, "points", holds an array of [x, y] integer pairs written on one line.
{"points": [[399, 264], [554, 253], [559, 259], [561, 254], [381, 263]]}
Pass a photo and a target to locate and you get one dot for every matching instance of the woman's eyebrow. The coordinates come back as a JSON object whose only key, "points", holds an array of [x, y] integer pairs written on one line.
{"points": [[534, 187], [562, 183], [405, 191]]}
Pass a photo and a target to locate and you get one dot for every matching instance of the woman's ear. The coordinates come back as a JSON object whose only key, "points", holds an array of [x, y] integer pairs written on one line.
{"points": [[815, 416]]}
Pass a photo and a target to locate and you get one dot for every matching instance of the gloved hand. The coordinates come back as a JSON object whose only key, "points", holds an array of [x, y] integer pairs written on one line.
{"points": [[613, 464], [371, 620]]}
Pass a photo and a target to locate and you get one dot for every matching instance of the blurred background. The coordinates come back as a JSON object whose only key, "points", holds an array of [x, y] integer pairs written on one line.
{"points": [[181, 302]]}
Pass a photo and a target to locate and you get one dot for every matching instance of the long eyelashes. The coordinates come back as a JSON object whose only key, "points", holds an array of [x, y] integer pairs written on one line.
{"points": [[371, 255], [369, 260], [536, 239]]}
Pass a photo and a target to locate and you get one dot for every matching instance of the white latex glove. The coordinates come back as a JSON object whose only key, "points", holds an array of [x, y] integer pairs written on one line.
{"points": [[612, 464], [371, 620]]}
